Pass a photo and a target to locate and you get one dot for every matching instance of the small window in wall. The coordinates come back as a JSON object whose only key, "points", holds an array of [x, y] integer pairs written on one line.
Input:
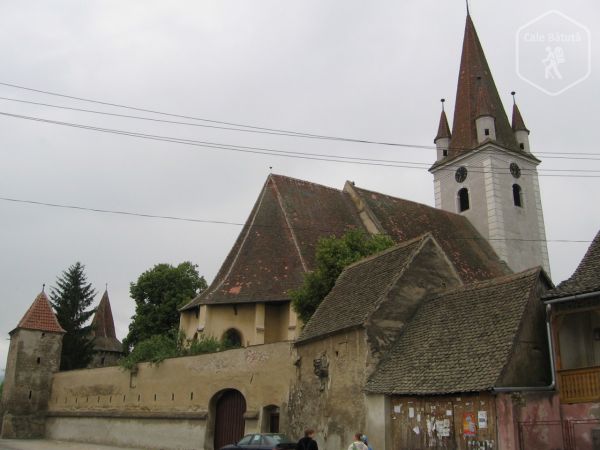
{"points": [[39, 360], [102, 361], [517, 195], [445, 152], [463, 200], [487, 131], [522, 146], [233, 338]]}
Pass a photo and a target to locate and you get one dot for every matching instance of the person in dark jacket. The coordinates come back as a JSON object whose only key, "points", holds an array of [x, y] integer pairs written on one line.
{"points": [[307, 442]]}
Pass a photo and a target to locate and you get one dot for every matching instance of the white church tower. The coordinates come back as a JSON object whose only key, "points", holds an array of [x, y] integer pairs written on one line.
{"points": [[485, 169]]}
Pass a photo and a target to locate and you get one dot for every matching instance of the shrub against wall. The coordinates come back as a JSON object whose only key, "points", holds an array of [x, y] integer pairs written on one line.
{"points": [[160, 347]]}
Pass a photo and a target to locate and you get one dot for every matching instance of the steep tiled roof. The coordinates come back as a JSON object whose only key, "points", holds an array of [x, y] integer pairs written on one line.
{"points": [[40, 316], [460, 341], [471, 255], [586, 277], [277, 244], [103, 327], [357, 289], [443, 128], [475, 81]]}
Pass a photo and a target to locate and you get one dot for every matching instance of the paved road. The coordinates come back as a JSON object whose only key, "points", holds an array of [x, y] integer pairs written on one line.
{"points": [[12, 444]]}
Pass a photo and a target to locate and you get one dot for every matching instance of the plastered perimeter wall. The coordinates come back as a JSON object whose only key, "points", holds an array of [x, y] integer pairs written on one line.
{"points": [[168, 406]]}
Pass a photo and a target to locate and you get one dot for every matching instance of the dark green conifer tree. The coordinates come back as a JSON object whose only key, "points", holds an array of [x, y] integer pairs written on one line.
{"points": [[71, 299]]}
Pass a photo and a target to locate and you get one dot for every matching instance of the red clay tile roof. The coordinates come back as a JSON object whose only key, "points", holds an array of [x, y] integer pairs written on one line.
{"points": [[472, 256], [103, 328], [40, 316], [277, 244], [443, 128], [586, 277], [517, 120], [475, 76]]}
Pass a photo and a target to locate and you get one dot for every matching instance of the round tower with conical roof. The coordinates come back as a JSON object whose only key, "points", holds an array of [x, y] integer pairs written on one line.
{"points": [[33, 357]]}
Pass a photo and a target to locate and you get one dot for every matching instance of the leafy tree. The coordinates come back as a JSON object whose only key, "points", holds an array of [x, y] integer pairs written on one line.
{"points": [[158, 293], [71, 299], [332, 255]]}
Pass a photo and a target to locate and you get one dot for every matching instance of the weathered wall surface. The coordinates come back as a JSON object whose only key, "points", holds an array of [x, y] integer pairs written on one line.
{"points": [[168, 406], [33, 357], [538, 420], [335, 404]]}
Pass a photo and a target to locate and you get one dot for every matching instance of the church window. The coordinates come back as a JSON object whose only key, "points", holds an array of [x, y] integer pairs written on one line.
{"points": [[233, 338], [463, 200], [517, 195], [487, 131]]}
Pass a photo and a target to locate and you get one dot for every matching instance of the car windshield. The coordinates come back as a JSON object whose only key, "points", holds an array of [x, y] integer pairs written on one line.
{"points": [[277, 438]]}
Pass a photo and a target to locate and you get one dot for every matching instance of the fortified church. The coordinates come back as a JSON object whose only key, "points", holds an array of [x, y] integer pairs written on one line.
{"points": [[445, 340]]}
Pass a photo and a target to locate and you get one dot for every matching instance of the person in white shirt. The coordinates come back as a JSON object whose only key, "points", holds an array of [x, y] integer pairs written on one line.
{"points": [[358, 444]]}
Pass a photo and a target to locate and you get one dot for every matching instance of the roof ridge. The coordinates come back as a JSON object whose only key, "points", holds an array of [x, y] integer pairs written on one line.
{"points": [[391, 249], [491, 282], [312, 183]]}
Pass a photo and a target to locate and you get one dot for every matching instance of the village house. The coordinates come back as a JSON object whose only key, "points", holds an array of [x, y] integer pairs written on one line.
{"points": [[451, 338]]}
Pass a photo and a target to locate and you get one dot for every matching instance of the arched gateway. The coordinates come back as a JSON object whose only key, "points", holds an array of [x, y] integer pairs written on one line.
{"points": [[229, 418]]}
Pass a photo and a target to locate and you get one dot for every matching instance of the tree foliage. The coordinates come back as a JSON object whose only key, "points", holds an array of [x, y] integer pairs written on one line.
{"points": [[332, 255], [71, 299], [158, 293], [157, 348]]}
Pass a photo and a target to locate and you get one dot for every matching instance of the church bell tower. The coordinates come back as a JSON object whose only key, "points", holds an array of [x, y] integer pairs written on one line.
{"points": [[485, 169]]}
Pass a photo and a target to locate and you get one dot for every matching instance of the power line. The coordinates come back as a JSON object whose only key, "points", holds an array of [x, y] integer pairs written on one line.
{"points": [[250, 127], [225, 222], [241, 127], [280, 153]]}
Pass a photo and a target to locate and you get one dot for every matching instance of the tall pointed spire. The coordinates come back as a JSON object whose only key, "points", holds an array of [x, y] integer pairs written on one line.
{"points": [[475, 82], [40, 316], [518, 124], [103, 324], [443, 128]]}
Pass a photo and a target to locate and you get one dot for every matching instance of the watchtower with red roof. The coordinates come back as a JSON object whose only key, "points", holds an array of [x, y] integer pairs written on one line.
{"points": [[33, 356]]}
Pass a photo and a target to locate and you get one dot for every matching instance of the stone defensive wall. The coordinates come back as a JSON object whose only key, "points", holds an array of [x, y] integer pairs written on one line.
{"points": [[170, 405]]}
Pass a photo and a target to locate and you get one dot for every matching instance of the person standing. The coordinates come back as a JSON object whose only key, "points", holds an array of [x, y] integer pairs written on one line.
{"points": [[358, 444], [307, 442], [365, 439]]}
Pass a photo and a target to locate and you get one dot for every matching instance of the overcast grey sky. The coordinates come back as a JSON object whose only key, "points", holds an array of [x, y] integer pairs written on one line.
{"points": [[371, 70]]}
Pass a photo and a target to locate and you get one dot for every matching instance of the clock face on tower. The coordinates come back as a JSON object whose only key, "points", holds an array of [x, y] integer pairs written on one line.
{"points": [[461, 174], [515, 170]]}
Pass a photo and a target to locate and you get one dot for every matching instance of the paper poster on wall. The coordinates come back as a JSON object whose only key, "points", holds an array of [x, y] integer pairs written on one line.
{"points": [[411, 412], [469, 424], [397, 409], [448, 412], [482, 419]]}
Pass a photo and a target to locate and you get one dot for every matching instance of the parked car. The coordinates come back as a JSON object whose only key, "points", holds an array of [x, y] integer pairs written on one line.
{"points": [[263, 441]]}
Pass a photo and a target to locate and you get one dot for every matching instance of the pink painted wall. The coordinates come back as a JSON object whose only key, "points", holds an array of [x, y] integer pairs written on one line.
{"points": [[538, 421]]}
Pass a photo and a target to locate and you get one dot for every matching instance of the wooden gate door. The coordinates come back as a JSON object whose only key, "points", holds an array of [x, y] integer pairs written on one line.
{"points": [[229, 418]]}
